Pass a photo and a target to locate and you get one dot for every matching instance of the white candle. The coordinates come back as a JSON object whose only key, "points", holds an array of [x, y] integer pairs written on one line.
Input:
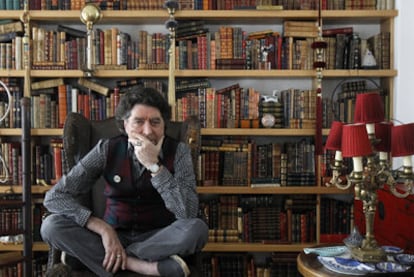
{"points": [[370, 128], [407, 161], [338, 155], [357, 164], [383, 156]]}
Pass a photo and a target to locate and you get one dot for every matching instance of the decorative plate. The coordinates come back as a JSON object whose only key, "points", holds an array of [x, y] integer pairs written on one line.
{"points": [[329, 251], [392, 267], [389, 249], [346, 266], [405, 259]]}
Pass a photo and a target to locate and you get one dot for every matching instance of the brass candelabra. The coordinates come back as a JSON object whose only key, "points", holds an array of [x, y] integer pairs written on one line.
{"points": [[371, 142]]}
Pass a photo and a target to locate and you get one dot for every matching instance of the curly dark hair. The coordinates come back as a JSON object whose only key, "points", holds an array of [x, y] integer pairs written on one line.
{"points": [[146, 96]]}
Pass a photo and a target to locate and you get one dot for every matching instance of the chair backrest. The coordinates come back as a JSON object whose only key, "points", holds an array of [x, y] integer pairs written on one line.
{"points": [[81, 134]]}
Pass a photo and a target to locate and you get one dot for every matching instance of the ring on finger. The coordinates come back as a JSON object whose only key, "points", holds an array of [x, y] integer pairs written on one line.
{"points": [[118, 256], [138, 143]]}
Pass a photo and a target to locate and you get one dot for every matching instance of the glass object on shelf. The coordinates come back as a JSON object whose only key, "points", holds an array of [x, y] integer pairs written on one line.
{"points": [[268, 120]]}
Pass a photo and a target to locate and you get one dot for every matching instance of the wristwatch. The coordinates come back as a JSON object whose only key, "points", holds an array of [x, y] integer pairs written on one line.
{"points": [[154, 168]]}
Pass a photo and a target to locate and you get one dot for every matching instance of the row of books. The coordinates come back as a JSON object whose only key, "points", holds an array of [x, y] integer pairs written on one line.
{"points": [[237, 107], [48, 162], [11, 264], [260, 218], [11, 172], [341, 103], [232, 264], [345, 106], [47, 167], [202, 4], [338, 215], [13, 269], [234, 48], [228, 107], [290, 164], [11, 216], [199, 48], [11, 220], [251, 163], [11, 44], [12, 4], [12, 106], [348, 50]]}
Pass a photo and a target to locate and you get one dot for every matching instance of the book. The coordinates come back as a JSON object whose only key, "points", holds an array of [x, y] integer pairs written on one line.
{"points": [[334, 31], [259, 34], [101, 89], [8, 36], [71, 32], [269, 7], [63, 107], [15, 26], [47, 83], [293, 28]]}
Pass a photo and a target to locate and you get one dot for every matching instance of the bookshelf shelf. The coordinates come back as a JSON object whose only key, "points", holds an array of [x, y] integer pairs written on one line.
{"points": [[210, 247], [245, 16], [36, 189], [37, 246], [269, 190], [12, 73], [256, 132], [204, 73], [254, 247], [34, 132], [10, 258]]}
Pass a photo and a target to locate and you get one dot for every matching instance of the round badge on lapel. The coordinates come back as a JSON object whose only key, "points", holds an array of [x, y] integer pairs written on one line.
{"points": [[117, 178]]}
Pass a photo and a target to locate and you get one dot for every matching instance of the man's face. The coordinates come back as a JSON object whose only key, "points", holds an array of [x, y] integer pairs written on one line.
{"points": [[145, 121]]}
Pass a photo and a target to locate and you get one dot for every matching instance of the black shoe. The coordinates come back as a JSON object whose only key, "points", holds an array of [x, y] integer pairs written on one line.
{"points": [[59, 270], [173, 266]]}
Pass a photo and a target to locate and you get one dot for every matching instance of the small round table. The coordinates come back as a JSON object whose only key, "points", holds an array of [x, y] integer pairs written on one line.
{"points": [[309, 266]]}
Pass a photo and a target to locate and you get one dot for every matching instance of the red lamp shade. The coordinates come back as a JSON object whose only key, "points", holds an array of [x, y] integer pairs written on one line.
{"points": [[383, 133], [334, 140], [402, 139], [355, 141], [369, 108]]}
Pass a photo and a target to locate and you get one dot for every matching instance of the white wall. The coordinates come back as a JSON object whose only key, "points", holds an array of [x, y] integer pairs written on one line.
{"points": [[404, 63]]}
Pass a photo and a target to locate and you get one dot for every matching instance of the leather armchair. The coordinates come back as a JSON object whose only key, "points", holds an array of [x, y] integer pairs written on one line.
{"points": [[79, 136]]}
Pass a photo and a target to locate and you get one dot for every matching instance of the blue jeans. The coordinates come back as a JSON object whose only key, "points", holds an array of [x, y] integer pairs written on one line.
{"points": [[183, 237]]}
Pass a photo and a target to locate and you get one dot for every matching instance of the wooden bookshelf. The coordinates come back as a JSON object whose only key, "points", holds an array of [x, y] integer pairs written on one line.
{"points": [[383, 18]]}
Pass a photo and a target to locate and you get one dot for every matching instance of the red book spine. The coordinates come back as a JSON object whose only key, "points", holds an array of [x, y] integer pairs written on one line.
{"points": [[62, 105], [57, 155], [86, 106]]}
